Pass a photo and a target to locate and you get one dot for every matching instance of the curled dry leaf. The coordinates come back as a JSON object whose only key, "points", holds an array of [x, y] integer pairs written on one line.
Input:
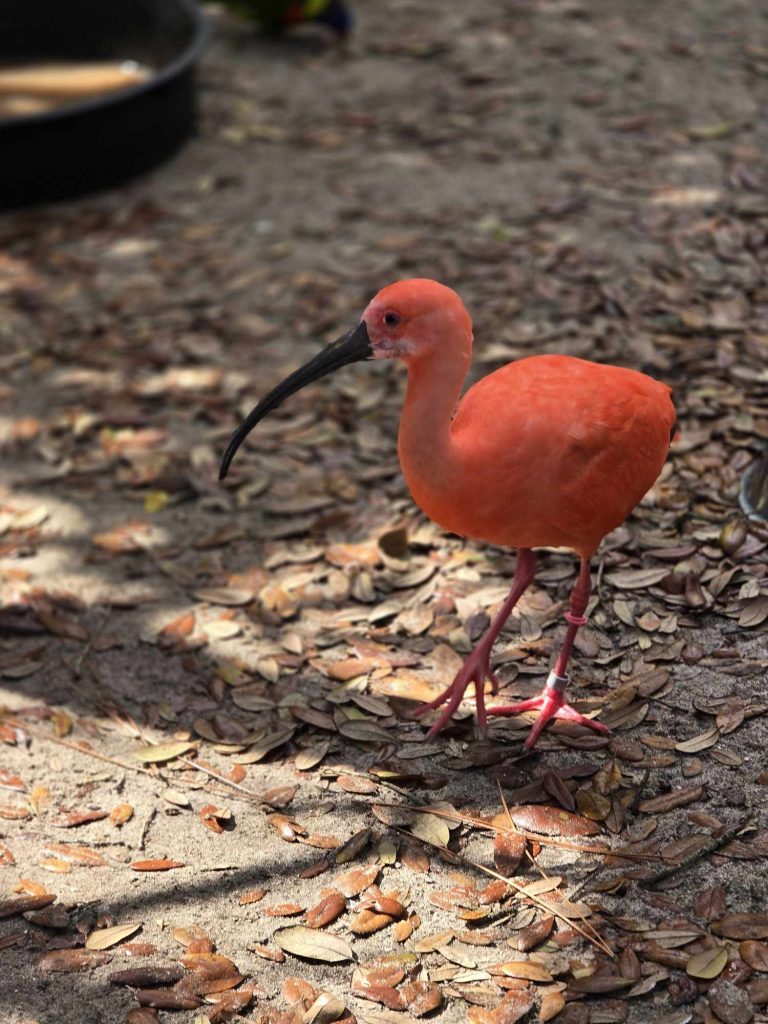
{"points": [[421, 997], [328, 909], [669, 801], [284, 910], [325, 1009], [353, 847], [120, 814], [552, 1003], [14, 812], [215, 818], [367, 922]]}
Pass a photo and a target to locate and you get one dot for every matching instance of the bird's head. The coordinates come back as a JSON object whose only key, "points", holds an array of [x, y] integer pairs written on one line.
{"points": [[417, 321]]}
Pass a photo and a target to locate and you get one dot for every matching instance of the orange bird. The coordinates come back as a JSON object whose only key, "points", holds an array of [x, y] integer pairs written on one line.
{"points": [[548, 451]]}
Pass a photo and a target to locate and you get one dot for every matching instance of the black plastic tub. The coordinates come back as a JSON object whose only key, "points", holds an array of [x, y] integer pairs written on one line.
{"points": [[96, 143]]}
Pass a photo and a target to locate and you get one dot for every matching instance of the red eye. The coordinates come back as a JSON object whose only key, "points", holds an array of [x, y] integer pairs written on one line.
{"points": [[391, 319]]}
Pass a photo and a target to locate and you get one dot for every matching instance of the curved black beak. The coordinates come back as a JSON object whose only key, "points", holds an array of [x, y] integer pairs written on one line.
{"points": [[352, 347]]}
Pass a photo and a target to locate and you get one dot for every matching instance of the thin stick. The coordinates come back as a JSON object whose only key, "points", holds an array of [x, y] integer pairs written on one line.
{"points": [[40, 734], [222, 778], [480, 823], [712, 846], [457, 858]]}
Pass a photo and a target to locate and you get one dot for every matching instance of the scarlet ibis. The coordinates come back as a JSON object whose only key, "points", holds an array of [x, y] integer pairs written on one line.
{"points": [[547, 451]]}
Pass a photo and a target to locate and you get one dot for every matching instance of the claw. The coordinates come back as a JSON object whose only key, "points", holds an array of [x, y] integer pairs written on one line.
{"points": [[550, 704], [474, 670]]}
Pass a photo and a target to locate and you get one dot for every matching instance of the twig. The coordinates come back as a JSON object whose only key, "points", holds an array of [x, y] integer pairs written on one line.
{"points": [[146, 827], [535, 837], [457, 858], [715, 843], [222, 778], [42, 735]]}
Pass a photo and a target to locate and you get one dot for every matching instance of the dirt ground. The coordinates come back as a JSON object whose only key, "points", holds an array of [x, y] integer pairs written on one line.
{"points": [[591, 177]]}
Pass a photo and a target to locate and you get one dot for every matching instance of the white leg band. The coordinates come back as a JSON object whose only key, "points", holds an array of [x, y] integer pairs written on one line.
{"points": [[556, 682]]}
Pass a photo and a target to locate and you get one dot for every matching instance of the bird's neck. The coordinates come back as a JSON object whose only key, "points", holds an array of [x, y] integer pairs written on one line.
{"points": [[425, 443]]}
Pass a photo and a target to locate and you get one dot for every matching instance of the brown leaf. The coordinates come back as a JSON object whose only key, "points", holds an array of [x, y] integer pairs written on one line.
{"points": [[367, 922], [275, 955], [252, 896], [284, 910], [61, 625], [14, 812], [557, 789], [120, 814], [166, 999], [328, 909], [552, 1002], [21, 904], [421, 997], [599, 984], [215, 818], [147, 977], [68, 961], [176, 631], [534, 934], [353, 847], [669, 801], [755, 954], [415, 858], [210, 966], [356, 880], [527, 969], [156, 865], [508, 851], [75, 819], [552, 821], [82, 856], [6, 857], [742, 926]]}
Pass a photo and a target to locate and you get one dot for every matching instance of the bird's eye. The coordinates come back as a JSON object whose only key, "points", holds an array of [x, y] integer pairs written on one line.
{"points": [[391, 319]]}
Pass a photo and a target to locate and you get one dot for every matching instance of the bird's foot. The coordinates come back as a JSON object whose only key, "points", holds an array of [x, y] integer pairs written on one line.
{"points": [[476, 669], [550, 704]]}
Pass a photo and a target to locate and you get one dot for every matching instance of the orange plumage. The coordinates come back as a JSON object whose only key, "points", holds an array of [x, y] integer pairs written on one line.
{"points": [[551, 451]]}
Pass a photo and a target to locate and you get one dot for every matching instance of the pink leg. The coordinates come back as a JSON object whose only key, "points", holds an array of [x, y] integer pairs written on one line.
{"points": [[550, 702], [476, 668]]}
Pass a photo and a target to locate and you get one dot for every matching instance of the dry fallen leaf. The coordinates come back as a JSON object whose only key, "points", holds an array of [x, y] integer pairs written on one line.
{"points": [[104, 938], [313, 945]]}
